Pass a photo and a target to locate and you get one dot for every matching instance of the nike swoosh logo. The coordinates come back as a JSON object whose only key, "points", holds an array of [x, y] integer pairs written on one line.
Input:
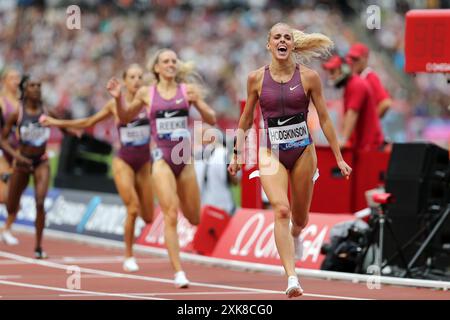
{"points": [[293, 88], [179, 101], [135, 124], [170, 114], [280, 123]]}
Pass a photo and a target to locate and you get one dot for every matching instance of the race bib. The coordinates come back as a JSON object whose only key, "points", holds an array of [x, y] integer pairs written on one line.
{"points": [[171, 124], [34, 135], [136, 133], [288, 132]]}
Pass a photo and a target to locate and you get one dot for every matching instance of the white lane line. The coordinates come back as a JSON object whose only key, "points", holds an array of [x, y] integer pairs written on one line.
{"points": [[84, 257], [13, 276], [10, 262], [92, 260], [101, 260], [93, 293], [209, 293], [154, 279], [93, 276]]}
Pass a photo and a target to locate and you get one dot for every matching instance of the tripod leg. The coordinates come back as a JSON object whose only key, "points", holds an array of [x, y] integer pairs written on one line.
{"points": [[380, 243], [407, 244], [399, 248], [430, 237]]}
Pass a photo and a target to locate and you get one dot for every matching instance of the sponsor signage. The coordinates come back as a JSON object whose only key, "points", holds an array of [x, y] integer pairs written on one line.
{"points": [[27, 211], [101, 215], [153, 234], [250, 237], [67, 211], [107, 221]]}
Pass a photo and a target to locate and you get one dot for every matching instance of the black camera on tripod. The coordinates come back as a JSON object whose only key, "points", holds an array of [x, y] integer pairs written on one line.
{"points": [[347, 242]]}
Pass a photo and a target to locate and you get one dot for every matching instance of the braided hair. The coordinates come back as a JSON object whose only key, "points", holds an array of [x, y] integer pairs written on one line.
{"points": [[23, 86]]}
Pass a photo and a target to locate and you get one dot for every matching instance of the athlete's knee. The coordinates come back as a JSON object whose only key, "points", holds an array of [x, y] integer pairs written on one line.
{"points": [[12, 211], [148, 218], [170, 220], [12, 207], [194, 219], [132, 210], [171, 217], [40, 212], [147, 211], [132, 215], [282, 210], [300, 220], [147, 214], [40, 205]]}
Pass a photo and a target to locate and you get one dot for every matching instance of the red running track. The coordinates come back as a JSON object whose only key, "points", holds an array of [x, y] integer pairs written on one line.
{"points": [[102, 277]]}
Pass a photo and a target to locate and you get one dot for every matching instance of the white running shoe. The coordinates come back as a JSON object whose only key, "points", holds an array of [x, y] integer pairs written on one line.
{"points": [[180, 280], [298, 244], [40, 254], [293, 289], [130, 265], [8, 238], [298, 247]]}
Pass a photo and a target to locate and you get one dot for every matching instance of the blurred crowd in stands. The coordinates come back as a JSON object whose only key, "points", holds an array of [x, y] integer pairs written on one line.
{"points": [[225, 38]]}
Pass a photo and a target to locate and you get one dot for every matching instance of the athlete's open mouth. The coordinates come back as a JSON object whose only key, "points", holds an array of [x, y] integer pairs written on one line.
{"points": [[282, 49]]}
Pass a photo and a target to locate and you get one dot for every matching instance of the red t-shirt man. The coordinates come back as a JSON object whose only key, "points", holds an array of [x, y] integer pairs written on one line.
{"points": [[358, 56], [362, 126], [367, 133]]}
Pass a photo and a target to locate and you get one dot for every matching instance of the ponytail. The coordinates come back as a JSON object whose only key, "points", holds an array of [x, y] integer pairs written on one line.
{"points": [[23, 86], [311, 45], [186, 71]]}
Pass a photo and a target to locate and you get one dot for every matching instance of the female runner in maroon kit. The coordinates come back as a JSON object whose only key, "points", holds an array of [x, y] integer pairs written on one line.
{"points": [[284, 90], [173, 172], [9, 103], [31, 158], [132, 165]]}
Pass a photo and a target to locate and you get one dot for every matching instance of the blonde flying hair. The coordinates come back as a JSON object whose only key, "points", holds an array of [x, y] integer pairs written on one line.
{"points": [[186, 72], [308, 45]]}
